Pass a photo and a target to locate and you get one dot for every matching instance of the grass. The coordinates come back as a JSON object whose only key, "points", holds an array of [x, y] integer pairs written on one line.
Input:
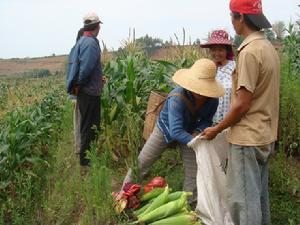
{"points": [[76, 195], [170, 167], [62, 203], [75, 199], [72, 197], [284, 186]]}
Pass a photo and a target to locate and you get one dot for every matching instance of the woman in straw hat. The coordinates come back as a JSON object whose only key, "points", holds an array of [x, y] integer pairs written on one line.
{"points": [[220, 49], [189, 109], [211, 155]]}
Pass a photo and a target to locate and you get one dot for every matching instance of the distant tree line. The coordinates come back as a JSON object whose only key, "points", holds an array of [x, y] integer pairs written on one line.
{"points": [[148, 43]]}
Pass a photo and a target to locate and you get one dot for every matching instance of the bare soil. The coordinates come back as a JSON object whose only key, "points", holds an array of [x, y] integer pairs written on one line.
{"points": [[18, 66]]}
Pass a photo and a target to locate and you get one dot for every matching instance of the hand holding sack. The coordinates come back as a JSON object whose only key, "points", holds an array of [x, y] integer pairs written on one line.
{"points": [[211, 181]]}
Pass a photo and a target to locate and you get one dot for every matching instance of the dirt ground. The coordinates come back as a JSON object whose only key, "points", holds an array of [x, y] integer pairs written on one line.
{"points": [[18, 66]]}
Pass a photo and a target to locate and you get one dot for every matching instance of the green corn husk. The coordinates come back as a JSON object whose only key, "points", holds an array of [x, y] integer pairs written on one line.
{"points": [[141, 210], [197, 223], [183, 211], [165, 210], [152, 194], [158, 201], [185, 219], [176, 195]]}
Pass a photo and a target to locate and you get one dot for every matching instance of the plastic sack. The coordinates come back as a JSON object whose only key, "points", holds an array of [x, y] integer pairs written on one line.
{"points": [[211, 181]]}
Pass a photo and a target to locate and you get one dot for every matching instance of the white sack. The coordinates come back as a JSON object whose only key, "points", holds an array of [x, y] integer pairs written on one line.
{"points": [[211, 159]]}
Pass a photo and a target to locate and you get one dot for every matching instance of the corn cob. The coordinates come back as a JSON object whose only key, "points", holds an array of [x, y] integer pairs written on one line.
{"points": [[176, 195], [152, 194], [183, 211], [185, 219], [165, 210], [149, 196], [141, 210], [158, 201], [197, 223]]}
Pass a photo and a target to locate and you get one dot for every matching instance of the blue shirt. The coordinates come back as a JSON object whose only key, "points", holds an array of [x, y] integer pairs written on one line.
{"points": [[176, 121], [84, 67]]}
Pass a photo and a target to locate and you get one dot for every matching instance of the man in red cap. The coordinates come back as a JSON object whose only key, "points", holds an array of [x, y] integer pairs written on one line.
{"points": [[253, 117]]}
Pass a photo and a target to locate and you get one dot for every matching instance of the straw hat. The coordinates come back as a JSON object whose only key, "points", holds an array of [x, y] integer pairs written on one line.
{"points": [[200, 79]]}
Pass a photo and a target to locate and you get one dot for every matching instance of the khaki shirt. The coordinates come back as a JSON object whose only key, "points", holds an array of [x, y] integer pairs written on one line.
{"points": [[258, 70]]}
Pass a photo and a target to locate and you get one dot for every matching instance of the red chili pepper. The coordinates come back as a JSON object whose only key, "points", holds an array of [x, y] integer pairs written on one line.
{"points": [[155, 182], [148, 188], [158, 182], [129, 193], [133, 190]]}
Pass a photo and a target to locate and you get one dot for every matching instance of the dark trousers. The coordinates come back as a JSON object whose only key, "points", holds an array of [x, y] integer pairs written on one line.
{"points": [[89, 107]]}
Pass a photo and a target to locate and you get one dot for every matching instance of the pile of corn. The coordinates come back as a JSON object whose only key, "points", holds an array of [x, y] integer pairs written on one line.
{"points": [[160, 207]]}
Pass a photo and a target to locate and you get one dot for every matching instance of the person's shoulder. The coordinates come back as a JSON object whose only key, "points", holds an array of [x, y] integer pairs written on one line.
{"points": [[230, 66], [266, 46], [178, 90], [73, 51], [256, 51], [258, 46], [174, 95], [83, 41], [248, 52]]}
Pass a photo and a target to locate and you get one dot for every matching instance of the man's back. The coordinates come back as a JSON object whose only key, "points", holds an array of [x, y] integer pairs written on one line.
{"points": [[90, 70], [88, 84]]}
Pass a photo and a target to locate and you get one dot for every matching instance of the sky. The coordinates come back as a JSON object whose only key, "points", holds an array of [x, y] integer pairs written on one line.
{"points": [[35, 28]]}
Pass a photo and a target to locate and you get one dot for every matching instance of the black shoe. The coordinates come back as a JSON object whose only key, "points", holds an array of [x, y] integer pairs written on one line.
{"points": [[85, 162]]}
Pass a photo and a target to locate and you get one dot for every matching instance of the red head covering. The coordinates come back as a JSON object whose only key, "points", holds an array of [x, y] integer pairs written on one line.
{"points": [[246, 6], [252, 8], [220, 37]]}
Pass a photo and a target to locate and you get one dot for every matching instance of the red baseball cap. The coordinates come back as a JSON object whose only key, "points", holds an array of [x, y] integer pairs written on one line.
{"points": [[253, 9]]}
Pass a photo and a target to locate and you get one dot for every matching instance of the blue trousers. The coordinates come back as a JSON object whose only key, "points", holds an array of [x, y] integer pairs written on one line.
{"points": [[247, 184]]}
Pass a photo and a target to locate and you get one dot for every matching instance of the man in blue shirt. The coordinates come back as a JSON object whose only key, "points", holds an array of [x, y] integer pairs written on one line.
{"points": [[188, 110], [85, 81]]}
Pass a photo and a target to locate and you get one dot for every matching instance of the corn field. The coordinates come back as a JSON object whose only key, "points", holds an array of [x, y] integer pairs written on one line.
{"points": [[40, 180]]}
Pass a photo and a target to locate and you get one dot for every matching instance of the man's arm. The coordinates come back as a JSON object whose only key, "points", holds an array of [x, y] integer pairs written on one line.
{"points": [[237, 111]]}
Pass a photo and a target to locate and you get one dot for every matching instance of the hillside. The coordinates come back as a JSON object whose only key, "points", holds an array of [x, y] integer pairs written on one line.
{"points": [[18, 66]]}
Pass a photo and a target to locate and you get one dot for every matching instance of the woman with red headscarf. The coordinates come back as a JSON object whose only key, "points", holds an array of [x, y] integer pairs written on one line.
{"points": [[220, 49]]}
